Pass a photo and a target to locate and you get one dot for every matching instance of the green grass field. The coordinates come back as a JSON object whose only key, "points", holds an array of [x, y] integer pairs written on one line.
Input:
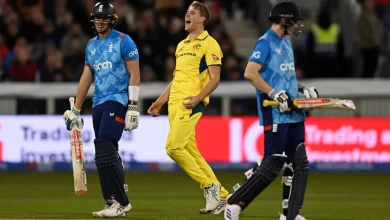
{"points": [[174, 196]]}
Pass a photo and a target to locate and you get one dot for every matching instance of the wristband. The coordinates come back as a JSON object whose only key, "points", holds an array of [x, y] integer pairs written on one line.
{"points": [[133, 93], [272, 93]]}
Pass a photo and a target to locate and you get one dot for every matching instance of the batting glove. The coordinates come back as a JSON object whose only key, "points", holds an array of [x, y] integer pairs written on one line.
{"points": [[309, 92], [73, 120], [132, 117], [283, 98]]}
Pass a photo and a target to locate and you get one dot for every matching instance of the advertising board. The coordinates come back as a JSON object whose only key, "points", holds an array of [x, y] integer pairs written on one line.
{"points": [[220, 139]]}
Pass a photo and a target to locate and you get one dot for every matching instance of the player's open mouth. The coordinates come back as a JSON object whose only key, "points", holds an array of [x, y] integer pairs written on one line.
{"points": [[188, 22]]}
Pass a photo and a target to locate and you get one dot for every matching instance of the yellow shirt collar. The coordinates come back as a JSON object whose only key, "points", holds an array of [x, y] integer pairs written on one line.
{"points": [[202, 36]]}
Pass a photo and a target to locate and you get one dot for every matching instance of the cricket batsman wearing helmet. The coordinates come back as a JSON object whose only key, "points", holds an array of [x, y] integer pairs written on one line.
{"points": [[111, 62], [271, 71], [196, 76]]}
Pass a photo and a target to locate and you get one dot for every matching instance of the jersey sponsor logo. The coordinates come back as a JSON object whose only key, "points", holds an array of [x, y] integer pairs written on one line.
{"points": [[187, 54], [102, 66], [133, 53], [215, 57], [287, 66], [256, 54]]}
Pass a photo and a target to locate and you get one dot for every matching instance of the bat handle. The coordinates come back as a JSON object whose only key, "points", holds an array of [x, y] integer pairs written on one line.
{"points": [[71, 102], [267, 103], [295, 103]]}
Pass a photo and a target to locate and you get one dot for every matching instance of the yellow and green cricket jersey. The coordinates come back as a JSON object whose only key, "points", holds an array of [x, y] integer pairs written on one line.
{"points": [[191, 73]]}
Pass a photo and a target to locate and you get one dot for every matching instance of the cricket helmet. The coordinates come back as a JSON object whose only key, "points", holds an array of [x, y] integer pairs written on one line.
{"points": [[285, 9], [104, 10]]}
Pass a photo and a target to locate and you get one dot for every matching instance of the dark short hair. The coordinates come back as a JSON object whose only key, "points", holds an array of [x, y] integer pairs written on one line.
{"points": [[203, 9]]}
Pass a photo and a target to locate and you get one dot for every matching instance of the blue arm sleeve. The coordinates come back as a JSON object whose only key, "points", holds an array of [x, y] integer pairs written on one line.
{"points": [[129, 49], [260, 52]]}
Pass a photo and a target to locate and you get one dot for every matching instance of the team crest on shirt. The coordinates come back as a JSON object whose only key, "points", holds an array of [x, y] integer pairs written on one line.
{"points": [[197, 46], [110, 47], [93, 51], [215, 57]]}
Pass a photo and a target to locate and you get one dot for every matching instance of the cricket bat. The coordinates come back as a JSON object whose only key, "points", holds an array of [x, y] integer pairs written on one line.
{"points": [[78, 160], [332, 103]]}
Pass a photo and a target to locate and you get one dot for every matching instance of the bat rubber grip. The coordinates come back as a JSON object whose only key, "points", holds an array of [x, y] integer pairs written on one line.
{"points": [[295, 103], [71, 101], [267, 103]]}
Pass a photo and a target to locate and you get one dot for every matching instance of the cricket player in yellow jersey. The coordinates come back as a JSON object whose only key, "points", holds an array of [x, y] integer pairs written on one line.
{"points": [[196, 76]]}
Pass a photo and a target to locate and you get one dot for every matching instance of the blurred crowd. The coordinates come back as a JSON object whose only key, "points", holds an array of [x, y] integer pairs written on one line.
{"points": [[346, 39], [44, 40]]}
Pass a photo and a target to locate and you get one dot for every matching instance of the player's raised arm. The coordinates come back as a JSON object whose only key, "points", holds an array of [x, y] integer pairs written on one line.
{"points": [[258, 58]]}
